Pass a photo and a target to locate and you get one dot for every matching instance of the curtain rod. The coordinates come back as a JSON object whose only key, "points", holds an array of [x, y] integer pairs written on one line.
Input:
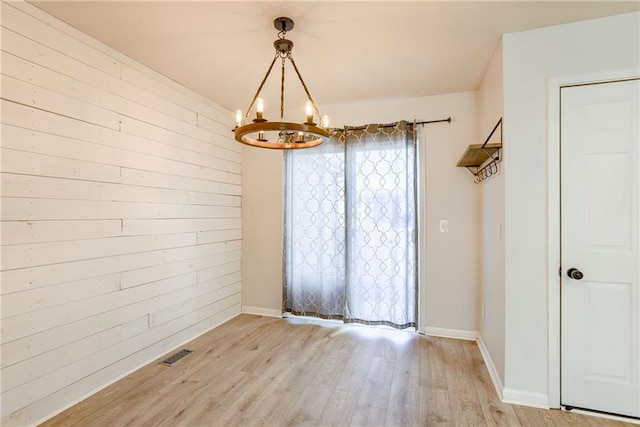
{"points": [[424, 122]]}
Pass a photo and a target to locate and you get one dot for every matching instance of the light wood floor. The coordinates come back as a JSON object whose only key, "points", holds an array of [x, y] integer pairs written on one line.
{"points": [[255, 371]]}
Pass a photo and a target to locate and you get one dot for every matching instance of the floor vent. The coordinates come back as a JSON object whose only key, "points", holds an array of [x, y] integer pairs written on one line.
{"points": [[177, 357]]}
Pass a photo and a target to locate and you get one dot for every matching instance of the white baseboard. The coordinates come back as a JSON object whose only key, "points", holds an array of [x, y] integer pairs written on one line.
{"points": [[516, 397], [493, 372], [459, 334], [260, 311], [525, 398]]}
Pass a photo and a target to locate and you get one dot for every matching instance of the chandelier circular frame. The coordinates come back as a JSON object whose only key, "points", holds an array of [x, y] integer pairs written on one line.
{"points": [[319, 134]]}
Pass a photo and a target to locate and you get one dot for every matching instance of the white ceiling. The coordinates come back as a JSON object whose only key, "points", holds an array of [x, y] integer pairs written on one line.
{"points": [[346, 51]]}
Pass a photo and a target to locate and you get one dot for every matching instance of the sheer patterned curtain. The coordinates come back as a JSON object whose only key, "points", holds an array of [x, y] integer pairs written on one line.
{"points": [[350, 227], [314, 231]]}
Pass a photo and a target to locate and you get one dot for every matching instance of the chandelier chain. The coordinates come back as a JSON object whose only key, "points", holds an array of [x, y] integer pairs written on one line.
{"points": [[283, 54], [282, 92], [304, 85], [253, 101]]}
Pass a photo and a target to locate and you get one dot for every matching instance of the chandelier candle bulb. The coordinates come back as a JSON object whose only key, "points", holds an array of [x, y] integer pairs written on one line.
{"points": [[260, 109], [325, 121], [238, 118], [261, 136], [309, 110]]}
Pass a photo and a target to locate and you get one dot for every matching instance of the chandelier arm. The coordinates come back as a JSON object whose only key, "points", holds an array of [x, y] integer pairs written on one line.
{"points": [[295, 67], [253, 101], [282, 92]]}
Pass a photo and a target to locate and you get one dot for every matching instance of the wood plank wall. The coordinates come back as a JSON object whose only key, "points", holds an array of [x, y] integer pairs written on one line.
{"points": [[121, 225]]}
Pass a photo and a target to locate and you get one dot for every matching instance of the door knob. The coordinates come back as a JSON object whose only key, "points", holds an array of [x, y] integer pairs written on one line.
{"points": [[574, 273]]}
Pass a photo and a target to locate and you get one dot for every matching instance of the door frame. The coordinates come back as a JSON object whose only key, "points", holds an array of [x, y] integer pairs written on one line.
{"points": [[555, 84]]}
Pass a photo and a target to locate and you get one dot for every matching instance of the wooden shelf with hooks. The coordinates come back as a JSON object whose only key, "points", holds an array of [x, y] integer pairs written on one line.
{"points": [[482, 159], [476, 154]]}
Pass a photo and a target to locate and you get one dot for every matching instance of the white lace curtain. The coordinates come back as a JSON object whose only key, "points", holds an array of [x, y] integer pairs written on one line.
{"points": [[350, 227]]}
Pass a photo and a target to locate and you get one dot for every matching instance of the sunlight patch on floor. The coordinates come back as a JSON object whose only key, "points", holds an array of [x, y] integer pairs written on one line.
{"points": [[398, 337]]}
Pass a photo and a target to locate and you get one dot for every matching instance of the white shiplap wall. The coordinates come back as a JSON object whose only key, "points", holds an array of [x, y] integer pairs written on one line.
{"points": [[121, 225]]}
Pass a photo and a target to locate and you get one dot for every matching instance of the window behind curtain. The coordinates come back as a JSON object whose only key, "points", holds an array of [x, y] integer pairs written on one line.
{"points": [[350, 227]]}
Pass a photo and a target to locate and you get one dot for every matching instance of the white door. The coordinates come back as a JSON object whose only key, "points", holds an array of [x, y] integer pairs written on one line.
{"points": [[600, 226]]}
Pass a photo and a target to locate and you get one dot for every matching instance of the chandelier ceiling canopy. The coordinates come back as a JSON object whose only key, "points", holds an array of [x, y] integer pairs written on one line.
{"points": [[263, 133]]}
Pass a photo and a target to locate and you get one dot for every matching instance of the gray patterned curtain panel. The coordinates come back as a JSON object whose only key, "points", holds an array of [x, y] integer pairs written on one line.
{"points": [[350, 227]]}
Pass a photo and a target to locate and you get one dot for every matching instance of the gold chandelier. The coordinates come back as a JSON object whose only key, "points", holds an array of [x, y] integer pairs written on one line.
{"points": [[284, 135]]}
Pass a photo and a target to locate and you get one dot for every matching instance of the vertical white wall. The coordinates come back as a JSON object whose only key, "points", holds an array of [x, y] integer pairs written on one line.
{"points": [[121, 219], [530, 59], [262, 229], [491, 211], [450, 288]]}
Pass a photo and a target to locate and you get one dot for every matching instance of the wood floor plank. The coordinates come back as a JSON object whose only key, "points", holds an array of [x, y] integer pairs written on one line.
{"points": [[435, 407], [259, 371], [495, 412], [433, 366], [406, 378]]}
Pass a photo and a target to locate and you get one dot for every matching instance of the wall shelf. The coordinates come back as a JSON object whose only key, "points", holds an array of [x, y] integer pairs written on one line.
{"points": [[476, 154], [482, 159]]}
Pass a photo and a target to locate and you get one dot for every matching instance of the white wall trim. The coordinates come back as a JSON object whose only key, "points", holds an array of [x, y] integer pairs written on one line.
{"points": [[526, 398], [459, 334], [553, 214], [553, 238], [493, 372], [260, 311]]}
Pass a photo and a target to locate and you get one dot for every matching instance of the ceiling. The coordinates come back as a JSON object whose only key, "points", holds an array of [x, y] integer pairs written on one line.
{"points": [[347, 51]]}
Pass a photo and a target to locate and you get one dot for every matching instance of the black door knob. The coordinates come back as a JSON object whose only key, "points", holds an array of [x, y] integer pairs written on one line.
{"points": [[574, 273]]}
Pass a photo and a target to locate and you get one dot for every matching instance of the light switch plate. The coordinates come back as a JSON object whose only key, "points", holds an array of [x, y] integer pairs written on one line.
{"points": [[444, 226]]}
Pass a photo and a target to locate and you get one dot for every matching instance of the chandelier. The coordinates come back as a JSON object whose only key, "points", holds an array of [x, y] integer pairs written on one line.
{"points": [[281, 135]]}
